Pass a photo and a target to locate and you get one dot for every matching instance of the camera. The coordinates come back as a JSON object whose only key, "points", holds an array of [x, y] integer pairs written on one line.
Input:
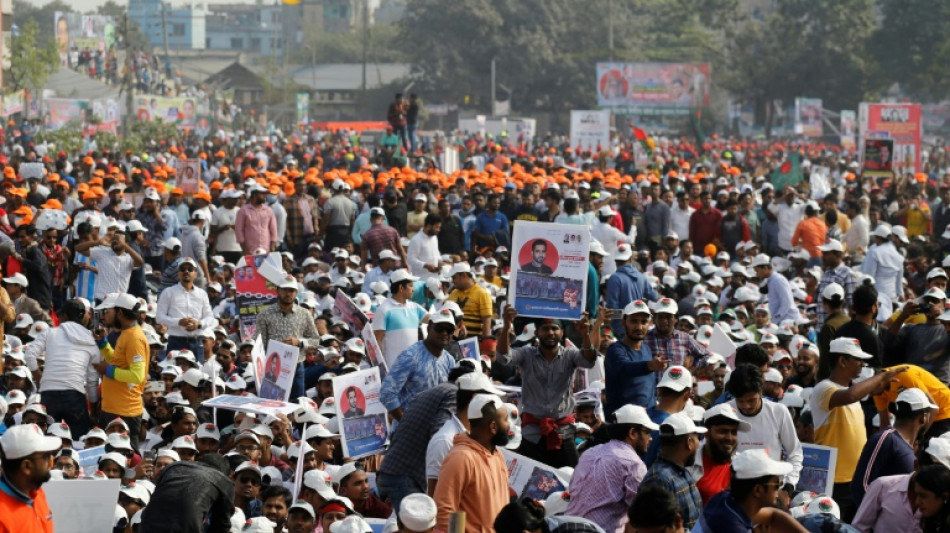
{"points": [[924, 307]]}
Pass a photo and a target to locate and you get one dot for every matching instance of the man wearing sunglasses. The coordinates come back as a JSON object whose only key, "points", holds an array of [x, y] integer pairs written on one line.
{"points": [[27, 457], [247, 487], [185, 311]]}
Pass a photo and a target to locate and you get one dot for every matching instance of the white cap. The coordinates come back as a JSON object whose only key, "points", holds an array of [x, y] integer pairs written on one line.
{"points": [[248, 465], [321, 482], [318, 431], [761, 260], [417, 512], [262, 524], [556, 503], [882, 231], [636, 307], [435, 287], [916, 399], [935, 293], [126, 301], [624, 252], [443, 316], [768, 338], [17, 279], [401, 275], [680, 424], [208, 431], [172, 243], [304, 506], [727, 411], [848, 346], [831, 290], [420, 198], [937, 273], [821, 504], [901, 233], [665, 305], [23, 320], [136, 491], [460, 268], [115, 457], [342, 472], [192, 376], [477, 382], [833, 245], [939, 450], [350, 524], [773, 376], [635, 414], [185, 442], [120, 441], [755, 463], [152, 194], [597, 248], [479, 401], [288, 282], [676, 378], [26, 439]]}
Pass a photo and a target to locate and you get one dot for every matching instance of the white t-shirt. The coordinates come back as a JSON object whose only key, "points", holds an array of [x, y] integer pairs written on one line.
{"points": [[440, 445], [400, 322], [227, 241], [774, 431]]}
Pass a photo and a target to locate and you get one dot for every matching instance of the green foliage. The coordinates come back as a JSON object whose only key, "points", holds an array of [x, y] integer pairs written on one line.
{"points": [[382, 47], [145, 134], [33, 57], [912, 47], [66, 139]]}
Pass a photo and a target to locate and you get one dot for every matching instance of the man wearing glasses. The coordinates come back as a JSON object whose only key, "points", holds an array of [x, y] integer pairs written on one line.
{"points": [[185, 311], [27, 457], [247, 487]]}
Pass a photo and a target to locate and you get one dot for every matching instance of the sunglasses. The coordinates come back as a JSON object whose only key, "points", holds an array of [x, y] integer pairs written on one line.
{"points": [[186, 269], [441, 328], [249, 479]]}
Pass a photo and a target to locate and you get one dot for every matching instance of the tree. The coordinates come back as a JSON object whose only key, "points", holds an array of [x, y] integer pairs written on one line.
{"points": [[322, 47], [32, 58], [912, 47]]}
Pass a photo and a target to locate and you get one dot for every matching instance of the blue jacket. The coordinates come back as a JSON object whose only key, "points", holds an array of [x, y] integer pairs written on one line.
{"points": [[624, 286], [628, 379]]}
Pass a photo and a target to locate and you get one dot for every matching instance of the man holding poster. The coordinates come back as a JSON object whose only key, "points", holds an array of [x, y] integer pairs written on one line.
{"points": [[287, 322], [551, 267], [547, 382]]}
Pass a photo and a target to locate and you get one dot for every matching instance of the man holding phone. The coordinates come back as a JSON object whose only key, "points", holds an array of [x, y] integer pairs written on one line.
{"points": [[924, 345], [115, 260]]}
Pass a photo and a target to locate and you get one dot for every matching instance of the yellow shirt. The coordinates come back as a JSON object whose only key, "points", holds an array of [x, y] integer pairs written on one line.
{"points": [[841, 428], [124, 382], [916, 377], [476, 305], [916, 318], [916, 223], [414, 218], [496, 281]]}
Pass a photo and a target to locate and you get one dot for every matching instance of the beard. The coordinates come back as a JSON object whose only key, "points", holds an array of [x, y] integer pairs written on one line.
{"points": [[321, 292], [717, 454], [501, 439], [691, 460]]}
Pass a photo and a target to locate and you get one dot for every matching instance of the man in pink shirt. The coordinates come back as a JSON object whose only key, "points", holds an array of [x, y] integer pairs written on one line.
{"points": [[255, 226]]}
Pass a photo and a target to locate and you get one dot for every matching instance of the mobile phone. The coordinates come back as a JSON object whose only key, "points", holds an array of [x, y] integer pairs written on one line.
{"points": [[615, 314], [149, 455]]}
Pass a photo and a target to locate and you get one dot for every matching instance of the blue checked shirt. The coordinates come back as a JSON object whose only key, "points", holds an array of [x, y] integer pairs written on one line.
{"points": [[679, 482], [841, 275], [416, 370], [676, 348]]}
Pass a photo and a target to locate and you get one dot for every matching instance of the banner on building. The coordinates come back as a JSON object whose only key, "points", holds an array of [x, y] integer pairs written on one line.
{"points": [[549, 269], [13, 103], [808, 117], [77, 33], [653, 88], [590, 130]]}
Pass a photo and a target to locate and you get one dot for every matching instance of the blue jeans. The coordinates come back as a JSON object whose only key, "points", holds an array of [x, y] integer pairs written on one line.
{"points": [[187, 343], [68, 406], [395, 487], [297, 388], [411, 131]]}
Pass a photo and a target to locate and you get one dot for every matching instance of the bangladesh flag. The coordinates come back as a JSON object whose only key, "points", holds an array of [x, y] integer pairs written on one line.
{"points": [[789, 173], [641, 136]]}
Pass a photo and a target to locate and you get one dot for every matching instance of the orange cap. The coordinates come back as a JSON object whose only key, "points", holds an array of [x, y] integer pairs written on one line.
{"points": [[203, 195], [216, 185], [52, 203], [177, 190]]}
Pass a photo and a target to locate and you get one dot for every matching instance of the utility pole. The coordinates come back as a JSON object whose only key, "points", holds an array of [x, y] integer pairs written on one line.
{"points": [[168, 57], [493, 86], [365, 17], [610, 30], [129, 109]]}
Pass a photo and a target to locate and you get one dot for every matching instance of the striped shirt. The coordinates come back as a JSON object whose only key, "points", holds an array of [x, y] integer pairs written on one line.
{"points": [[476, 305], [86, 279], [605, 483]]}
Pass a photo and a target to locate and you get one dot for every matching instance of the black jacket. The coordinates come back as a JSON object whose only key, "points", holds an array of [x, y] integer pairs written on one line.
{"points": [[185, 496]]}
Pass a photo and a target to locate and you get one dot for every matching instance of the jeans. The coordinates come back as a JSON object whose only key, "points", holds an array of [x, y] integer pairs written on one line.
{"points": [[68, 406], [411, 131], [134, 423], [187, 343], [395, 487], [297, 388]]}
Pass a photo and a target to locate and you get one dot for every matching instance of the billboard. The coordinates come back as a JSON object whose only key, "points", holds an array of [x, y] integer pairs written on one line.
{"points": [[77, 32], [902, 123], [849, 128], [183, 112], [590, 130], [61, 112], [808, 117], [653, 88]]}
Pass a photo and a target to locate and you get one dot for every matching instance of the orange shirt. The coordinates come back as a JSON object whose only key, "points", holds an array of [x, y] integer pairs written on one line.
{"points": [[21, 513], [810, 234]]}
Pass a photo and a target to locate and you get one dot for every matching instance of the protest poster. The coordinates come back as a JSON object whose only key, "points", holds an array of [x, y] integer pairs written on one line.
{"points": [[512, 393], [590, 130], [82, 506], [189, 175], [303, 108], [531, 479], [653, 89], [902, 123], [254, 293], [89, 459], [373, 354], [469, 348], [721, 344], [808, 117], [364, 426], [346, 310], [818, 468], [108, 114], [549, 269], [849, 128], [878, 157], [257, 360], [275, 371], [249, 404]]}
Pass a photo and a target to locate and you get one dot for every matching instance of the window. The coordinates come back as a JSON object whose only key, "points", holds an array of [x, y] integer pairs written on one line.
{"points": [[255, 43], [178, 30], [237, 43]]}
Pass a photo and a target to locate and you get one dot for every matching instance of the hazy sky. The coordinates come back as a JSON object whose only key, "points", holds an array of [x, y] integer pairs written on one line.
{"points": [[90, 5]]}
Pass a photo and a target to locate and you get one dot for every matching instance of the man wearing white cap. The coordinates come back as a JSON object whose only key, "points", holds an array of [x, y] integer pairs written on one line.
{"points": [[626, 285], [885, 264], [713, 460], [749, 504], [676, 346], [679, 440], [185, 311], [255, 225], [27, 457], [779, 291], [287, 322], [396, 320], [222, 226], [835, 271], [605, 233], [838, 417], [115, 259], [474, 477], [608, 476], [417, 514], [629, 365], [924, 345]]}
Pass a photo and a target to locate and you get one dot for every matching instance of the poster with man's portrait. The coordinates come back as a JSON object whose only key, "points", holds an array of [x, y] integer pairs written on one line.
{"points": [[364, 427], [549, 269], [275, 370]]}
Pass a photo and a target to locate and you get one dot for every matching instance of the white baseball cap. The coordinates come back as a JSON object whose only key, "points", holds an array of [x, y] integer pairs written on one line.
{"points": [[480, 401], [185, 442], [833, 245], [665, 305], [755, 463], [401, 274], [26, 439], [821, 504], [773, 376], [726, 411], [901, 233], [350, 524], [288, 282], [882, 230], [17, 279], [636, 307], [848, 346], [172, 243], [321, 482], [916, 399], [460, 268], [208, 431], [761, 260], [435, 287], [635, 414], [680, 424], [597, 248], [624, 252], [443, 316], [939, 450], [831, 290], [318, 431], [417, 512], [387, 254], [477, 381], [676, 378]]}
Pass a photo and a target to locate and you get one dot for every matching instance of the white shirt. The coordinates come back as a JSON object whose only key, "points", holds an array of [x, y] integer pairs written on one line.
{"points": [[176, 303], [774, 431], [226, 240], [679, 221], [858, 234], [115, 271], [280, 214], [886, 265], [788, 218], [423, 250], [440, 445], [70, 352]]}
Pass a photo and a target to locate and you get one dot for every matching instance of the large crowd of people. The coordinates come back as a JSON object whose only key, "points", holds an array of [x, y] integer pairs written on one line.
{"points": [[729, 326]]}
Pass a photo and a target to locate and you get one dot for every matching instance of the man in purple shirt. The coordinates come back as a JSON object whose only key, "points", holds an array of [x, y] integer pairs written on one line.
{"points": [[256, 226], [608, 476]]}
